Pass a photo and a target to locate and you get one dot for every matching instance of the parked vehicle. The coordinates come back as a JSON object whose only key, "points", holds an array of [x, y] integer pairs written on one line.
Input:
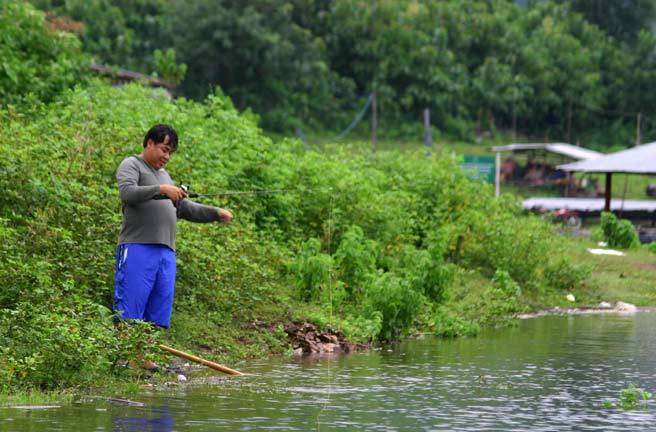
{"points": [[569, 218]]}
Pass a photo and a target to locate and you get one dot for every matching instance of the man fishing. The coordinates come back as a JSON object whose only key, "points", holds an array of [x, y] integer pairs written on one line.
{"points": [[145, 256]]}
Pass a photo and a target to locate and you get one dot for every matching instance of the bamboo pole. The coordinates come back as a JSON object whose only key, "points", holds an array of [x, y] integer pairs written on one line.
{"points": [[193, 358]]}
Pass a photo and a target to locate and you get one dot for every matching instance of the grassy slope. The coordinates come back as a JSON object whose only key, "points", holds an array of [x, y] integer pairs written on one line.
{"points": [[629, 278]]}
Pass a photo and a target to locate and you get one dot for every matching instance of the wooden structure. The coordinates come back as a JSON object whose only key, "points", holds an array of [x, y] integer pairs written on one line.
{"points": [[122, 76], [563, 151], [636, 160]]}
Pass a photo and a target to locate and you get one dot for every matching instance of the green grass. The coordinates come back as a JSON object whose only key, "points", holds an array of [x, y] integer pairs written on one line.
{"points": [[628, 278]]}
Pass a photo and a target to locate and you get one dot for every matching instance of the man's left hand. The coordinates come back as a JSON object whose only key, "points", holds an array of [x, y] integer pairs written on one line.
{"points": [[225, 216]]}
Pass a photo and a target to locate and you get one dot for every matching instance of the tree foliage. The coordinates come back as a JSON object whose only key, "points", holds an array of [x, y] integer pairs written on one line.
{"points": [[36, 62], [557, 69], [259, 54], [122, 33], [624, 20]]}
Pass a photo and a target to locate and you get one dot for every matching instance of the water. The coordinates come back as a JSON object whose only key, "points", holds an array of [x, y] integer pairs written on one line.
{"points": [[547, 374]]}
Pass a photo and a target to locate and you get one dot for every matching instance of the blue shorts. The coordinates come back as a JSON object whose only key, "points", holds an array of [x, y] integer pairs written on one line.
{"points": [[144, 284]]}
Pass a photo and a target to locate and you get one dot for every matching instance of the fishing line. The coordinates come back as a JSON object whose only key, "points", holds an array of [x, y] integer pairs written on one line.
{"points": [[231, 193], [330, 305]]}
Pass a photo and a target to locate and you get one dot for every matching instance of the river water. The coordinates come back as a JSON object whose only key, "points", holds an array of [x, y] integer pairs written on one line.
{"points": [[547, 374]]}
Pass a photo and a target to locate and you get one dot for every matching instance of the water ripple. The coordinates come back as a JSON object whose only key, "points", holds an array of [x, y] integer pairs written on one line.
{"points": [[549, 374]]}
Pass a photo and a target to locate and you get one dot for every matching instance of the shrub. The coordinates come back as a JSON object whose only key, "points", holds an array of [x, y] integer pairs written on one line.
{"points": [[562, 274], [618, 233], [446, 323], [501, 301], [396, 302], [499, 239], [356, 261], [312, 270], [55, 339], [426, 270], [37, 63]]}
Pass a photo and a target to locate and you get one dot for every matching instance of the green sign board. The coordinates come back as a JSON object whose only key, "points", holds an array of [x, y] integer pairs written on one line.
{"points": [[479, 167]]}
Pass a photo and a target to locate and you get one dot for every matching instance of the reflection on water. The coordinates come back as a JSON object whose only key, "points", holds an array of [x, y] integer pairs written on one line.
{"points": [[547, 374], [156, 419]]}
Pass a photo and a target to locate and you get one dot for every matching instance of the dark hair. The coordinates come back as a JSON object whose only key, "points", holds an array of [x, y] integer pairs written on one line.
{"points": [[158, 134]]}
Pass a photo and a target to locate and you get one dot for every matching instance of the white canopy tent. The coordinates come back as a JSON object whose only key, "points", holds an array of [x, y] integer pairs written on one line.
{"points": [[567, 150], [636, 160]]}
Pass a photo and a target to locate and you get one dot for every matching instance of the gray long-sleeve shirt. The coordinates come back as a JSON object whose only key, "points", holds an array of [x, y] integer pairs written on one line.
{"points": [[149, 221]]}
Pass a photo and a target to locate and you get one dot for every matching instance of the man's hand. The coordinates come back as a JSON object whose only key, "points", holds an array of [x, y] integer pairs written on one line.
{"points": [[173, 192], [225, 216]]}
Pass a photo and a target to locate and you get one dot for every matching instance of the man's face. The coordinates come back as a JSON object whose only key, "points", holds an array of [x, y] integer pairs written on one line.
{"points": [[158, 154]]}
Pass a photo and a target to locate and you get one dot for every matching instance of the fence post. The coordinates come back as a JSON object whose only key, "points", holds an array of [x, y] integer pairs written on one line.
{"points": [[374, 121], [638, 132], [569, 120], [497, 175], [428, 141]]}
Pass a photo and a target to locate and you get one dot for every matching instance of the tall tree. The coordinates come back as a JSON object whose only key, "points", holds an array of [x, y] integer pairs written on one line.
{"points": [[259, 54], [622, 19]]}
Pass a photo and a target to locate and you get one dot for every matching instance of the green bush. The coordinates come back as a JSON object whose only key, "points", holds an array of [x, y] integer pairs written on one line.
{"points": [[312, 270], [396, 302], [356, 261], [37, 63], [448, 324], [426, 269], [618, 233], [499, 238], [500, 302], [363, 329], [54, 339], [562, 274]]}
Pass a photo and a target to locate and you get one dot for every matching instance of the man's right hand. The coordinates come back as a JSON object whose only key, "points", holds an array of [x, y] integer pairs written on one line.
{"points": [[173, 192]]}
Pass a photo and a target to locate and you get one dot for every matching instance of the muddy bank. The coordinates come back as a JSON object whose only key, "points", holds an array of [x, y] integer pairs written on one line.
{"points": [[307, 339]]}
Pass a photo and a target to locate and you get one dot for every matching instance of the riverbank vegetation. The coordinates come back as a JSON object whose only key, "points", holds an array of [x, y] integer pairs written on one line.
{"points": [[378, 244], [375, 240]]}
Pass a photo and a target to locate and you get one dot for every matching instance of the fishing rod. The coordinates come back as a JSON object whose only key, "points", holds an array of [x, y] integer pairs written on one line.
{"points": [[225, 193]]}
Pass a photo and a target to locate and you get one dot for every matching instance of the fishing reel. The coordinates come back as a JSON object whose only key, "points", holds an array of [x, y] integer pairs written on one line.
{"points": [[182, 186], [186, 188]]}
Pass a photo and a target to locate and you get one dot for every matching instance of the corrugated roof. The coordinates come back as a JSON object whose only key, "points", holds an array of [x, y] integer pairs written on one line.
{"points": [[569, 150], [123, 74], [636, 160], [588, 204]]}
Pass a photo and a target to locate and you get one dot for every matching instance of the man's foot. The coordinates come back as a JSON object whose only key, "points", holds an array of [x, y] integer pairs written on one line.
{"points": [[151, 366]]}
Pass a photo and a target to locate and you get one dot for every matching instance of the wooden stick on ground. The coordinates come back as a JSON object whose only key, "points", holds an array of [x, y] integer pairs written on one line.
{"points": [[202, 361]]}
